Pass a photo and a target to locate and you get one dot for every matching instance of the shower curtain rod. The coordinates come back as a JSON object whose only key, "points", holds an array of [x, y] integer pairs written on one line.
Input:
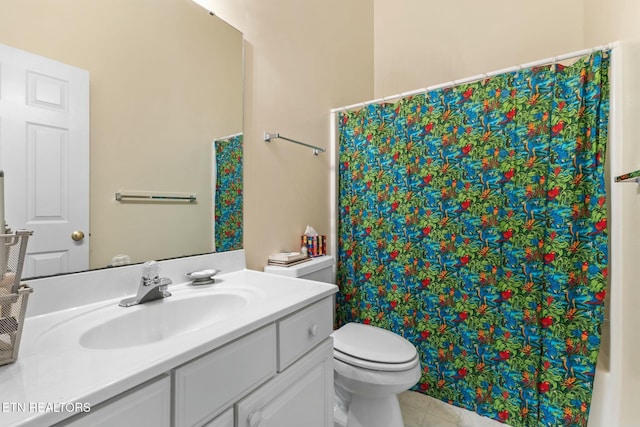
{"points": [[478, 77], [222, 138]]}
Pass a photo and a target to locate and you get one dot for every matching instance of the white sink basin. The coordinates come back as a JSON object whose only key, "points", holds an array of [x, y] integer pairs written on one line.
{"points": [[161, 319]]}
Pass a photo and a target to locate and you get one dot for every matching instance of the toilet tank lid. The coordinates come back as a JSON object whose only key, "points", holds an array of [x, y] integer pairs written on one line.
{"points": [[372, 343], [302, 269]]}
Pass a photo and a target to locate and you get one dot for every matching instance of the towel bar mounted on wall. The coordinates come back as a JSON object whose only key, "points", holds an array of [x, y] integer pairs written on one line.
{"points": [[633, 177], [268, 136], [144, 196]]}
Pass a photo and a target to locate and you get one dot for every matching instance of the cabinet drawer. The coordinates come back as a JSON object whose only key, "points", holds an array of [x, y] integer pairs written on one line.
{"points": [[301, 331], [210, 384]]}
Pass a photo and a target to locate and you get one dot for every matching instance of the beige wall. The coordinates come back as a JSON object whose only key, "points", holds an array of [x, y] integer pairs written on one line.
{"points": [[419, 44], [166, 79], [302, 58], [606, 21]]}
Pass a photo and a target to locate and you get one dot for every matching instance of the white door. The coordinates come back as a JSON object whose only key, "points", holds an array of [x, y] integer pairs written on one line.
{"points": [[44, 153]]}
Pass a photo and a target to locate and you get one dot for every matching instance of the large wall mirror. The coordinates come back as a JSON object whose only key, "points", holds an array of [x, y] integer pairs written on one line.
{"points": [[165, 82]]}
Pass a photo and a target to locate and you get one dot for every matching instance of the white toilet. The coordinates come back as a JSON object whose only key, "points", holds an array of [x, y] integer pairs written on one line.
{"points": [[371, 365]]}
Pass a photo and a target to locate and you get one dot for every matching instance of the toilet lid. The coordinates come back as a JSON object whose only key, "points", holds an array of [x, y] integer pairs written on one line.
{"points": [[362, 345]]}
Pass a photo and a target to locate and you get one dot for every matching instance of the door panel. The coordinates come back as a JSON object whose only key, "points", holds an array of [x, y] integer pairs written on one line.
{"points": [[44, 153]]}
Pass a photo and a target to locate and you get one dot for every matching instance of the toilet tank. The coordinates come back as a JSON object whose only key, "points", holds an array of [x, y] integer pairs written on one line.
{"points": [[319, 269]]}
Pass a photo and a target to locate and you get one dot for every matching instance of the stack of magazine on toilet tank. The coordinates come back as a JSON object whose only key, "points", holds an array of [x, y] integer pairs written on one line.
{"points": [[287, 259]]}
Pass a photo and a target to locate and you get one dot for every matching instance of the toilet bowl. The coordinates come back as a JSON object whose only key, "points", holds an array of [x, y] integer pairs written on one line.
{"points": [[371, 366]]}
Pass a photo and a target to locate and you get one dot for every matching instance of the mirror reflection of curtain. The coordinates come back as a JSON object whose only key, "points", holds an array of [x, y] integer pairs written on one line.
{"points": [[472, 221], [227, 205]]}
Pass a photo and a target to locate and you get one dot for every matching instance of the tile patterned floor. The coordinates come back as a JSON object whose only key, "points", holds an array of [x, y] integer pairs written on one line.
{"points": [[419, 410]]}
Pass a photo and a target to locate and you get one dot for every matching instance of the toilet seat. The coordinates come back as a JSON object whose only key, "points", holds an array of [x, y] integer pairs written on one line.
{"points": [[375, 366], [370, 347]]}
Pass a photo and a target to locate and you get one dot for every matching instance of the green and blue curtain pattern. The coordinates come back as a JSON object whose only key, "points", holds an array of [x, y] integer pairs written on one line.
{"points": [[228, 194], [472, 221]]}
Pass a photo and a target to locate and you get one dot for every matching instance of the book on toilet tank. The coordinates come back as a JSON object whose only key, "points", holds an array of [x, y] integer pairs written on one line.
{"points": [[288, 263], [287, 256]]}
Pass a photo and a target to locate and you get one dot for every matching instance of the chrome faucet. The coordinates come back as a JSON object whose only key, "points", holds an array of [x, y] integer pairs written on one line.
{"points": [[152, 286]]}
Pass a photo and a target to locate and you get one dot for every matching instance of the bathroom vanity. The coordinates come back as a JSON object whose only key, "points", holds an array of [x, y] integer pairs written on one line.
{"points": [[251, 350]]}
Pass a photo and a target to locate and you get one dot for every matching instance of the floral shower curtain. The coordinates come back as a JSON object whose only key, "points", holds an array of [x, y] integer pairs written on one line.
{"points": [[228, 225], [472, 221]]}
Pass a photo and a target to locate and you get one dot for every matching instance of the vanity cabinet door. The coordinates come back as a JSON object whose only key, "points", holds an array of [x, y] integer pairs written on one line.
{"points": [[224, 420], [302, 395], [146, 405]]}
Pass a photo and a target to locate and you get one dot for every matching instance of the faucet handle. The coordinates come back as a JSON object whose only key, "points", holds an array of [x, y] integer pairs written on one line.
{"points": [[150, 269]]}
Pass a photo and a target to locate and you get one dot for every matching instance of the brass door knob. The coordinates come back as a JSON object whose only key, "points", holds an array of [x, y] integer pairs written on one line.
{"points": [[77, 235]]}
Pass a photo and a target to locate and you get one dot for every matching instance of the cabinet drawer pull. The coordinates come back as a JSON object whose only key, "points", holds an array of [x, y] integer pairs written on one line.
{"points": [[313, 330], [255, 419]]}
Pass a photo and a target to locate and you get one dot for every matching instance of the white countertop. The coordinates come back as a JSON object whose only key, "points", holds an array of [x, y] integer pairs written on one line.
{"points": [[54, 368]]}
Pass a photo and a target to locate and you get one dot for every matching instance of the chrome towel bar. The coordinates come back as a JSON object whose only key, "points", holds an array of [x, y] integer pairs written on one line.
{"points": [[153, 197], [633, 177], [268, 136]]}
